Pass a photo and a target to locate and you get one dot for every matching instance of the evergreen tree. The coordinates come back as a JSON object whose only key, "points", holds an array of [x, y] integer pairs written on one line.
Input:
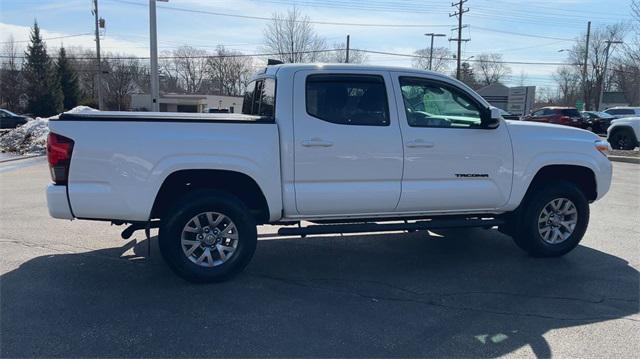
{"points": [[43, 87], [68, 81], [468, 76]]}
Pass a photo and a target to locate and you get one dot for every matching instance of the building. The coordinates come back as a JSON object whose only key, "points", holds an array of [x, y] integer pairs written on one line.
{"points": [[515, 100], [613, 99], [188, 103]]}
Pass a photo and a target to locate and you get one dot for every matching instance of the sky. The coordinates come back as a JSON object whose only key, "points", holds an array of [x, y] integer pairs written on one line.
{"points": [[493, 26]]}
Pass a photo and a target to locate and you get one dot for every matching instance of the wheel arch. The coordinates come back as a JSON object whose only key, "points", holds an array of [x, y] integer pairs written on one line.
{"points": [[582, 176], [241, 185]]}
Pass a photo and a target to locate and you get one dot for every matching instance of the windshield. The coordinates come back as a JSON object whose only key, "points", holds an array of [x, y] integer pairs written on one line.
{"points": [[603, 115], [8, 112]]}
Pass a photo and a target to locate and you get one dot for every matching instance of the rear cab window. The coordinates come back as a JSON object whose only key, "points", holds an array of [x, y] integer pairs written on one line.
{"points": [[260, 98]]}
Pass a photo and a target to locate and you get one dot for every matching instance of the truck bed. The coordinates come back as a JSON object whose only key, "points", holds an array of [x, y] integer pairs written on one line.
{"points": [[120, 159]]}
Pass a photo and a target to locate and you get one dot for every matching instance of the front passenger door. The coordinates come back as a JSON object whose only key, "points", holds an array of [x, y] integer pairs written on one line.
{"points": [[452, 162]]}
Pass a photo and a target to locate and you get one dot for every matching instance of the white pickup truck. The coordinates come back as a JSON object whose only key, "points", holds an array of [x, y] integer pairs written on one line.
{"points": [[349, 148]]}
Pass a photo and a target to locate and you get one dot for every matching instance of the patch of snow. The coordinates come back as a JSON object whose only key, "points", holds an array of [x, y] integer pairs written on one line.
{"points": [[31, 138]]}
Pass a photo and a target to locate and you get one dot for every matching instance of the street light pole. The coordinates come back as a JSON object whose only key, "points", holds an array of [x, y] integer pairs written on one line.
{"points": [[431, 47], [153, 49], [604, 71]]}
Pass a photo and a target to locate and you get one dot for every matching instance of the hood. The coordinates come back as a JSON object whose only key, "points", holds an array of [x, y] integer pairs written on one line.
{"points": [[529, 129], [626, 120]]}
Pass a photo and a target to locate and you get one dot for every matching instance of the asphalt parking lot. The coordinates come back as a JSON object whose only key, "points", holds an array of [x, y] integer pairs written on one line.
{"points": [[77, 289]]}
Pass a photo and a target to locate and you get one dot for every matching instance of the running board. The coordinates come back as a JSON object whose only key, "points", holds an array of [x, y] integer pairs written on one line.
{"points": [[386, 227]]}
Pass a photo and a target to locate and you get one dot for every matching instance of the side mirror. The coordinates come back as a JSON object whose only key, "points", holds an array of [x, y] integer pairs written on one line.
{"points": [[493, 119]]}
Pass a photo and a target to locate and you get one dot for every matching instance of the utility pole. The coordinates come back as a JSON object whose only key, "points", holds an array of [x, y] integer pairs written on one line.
{"points": [[584, 68], [99, 74], [431, 47], [459, 39], [604, 71], [346, 60]]}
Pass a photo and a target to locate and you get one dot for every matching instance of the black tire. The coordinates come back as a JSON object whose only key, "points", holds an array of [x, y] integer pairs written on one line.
{"points": [[623, 139], [527, 235], [188, 207]]}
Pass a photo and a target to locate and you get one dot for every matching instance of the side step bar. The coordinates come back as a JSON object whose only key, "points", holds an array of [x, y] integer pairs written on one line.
{"points": [[385, 227]]}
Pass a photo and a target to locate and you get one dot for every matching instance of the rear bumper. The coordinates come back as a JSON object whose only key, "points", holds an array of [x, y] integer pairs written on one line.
{"points": [[58, 203]]}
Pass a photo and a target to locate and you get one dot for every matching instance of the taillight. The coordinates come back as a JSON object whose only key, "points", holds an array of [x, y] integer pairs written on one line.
{"points": [[59, 149]]}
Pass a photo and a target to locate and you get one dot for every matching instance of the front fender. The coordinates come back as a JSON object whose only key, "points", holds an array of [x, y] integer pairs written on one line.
{"points": [[524, 173]]}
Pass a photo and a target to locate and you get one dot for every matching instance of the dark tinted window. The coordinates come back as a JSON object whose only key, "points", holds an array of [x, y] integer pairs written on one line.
{"points": [[620, 111], [259, 98], [571, 112], [247, 102], [267, 97], [348, 99]]}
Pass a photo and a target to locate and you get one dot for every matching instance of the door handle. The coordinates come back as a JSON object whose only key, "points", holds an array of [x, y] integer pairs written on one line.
{"points": [[419, 144], [317, 142]]}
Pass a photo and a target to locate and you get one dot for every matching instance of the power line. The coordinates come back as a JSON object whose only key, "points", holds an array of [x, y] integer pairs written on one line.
{"points": [[50, 38], [271, 18]]}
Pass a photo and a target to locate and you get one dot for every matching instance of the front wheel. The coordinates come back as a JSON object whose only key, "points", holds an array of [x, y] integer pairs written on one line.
{"points": [[623, 139], [553, 220], [208, 236]]}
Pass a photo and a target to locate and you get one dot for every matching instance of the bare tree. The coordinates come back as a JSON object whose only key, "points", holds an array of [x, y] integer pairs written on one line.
{"points": [[338, 55], [230, 71], [11, 80], [568, 85], [124, 77], [188, 65], [595, 62], [441, 61], [490, 69], [292, 37]]}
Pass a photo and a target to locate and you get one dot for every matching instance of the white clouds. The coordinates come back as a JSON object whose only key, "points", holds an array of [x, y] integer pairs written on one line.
{"points": [[56, 39]]}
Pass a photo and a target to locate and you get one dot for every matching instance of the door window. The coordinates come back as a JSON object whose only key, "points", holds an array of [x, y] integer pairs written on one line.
{"points": [[435, 104], [348, 99]]}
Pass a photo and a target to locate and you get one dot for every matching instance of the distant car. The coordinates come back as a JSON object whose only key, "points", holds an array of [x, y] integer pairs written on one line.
{"points": [[623, 111], [568, 116], [508, 116], [623, 134], [597, 121], [9, 119]]}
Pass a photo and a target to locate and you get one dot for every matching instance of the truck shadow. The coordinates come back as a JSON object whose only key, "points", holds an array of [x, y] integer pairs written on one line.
{"points": [[455, 293]]}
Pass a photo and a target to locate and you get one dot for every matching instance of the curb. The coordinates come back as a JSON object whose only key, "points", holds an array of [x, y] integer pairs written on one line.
{"points": [[19, 158], [626, 159]]}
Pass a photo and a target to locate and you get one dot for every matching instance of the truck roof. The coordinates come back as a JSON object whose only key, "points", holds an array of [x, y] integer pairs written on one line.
{"points": [[273, 69]]}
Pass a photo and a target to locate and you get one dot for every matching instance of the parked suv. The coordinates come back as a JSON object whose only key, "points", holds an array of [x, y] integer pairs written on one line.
{"points": [[621, 111], [623, 134], [568, 116]]}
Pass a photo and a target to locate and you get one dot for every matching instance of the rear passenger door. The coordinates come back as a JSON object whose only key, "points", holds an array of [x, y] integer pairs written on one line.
{"points": [[347, 143]]}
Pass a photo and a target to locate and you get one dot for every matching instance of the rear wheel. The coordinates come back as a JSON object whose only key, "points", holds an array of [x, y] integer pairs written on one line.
{"points": [[208, 236], [553, 220], [623, 139]]}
